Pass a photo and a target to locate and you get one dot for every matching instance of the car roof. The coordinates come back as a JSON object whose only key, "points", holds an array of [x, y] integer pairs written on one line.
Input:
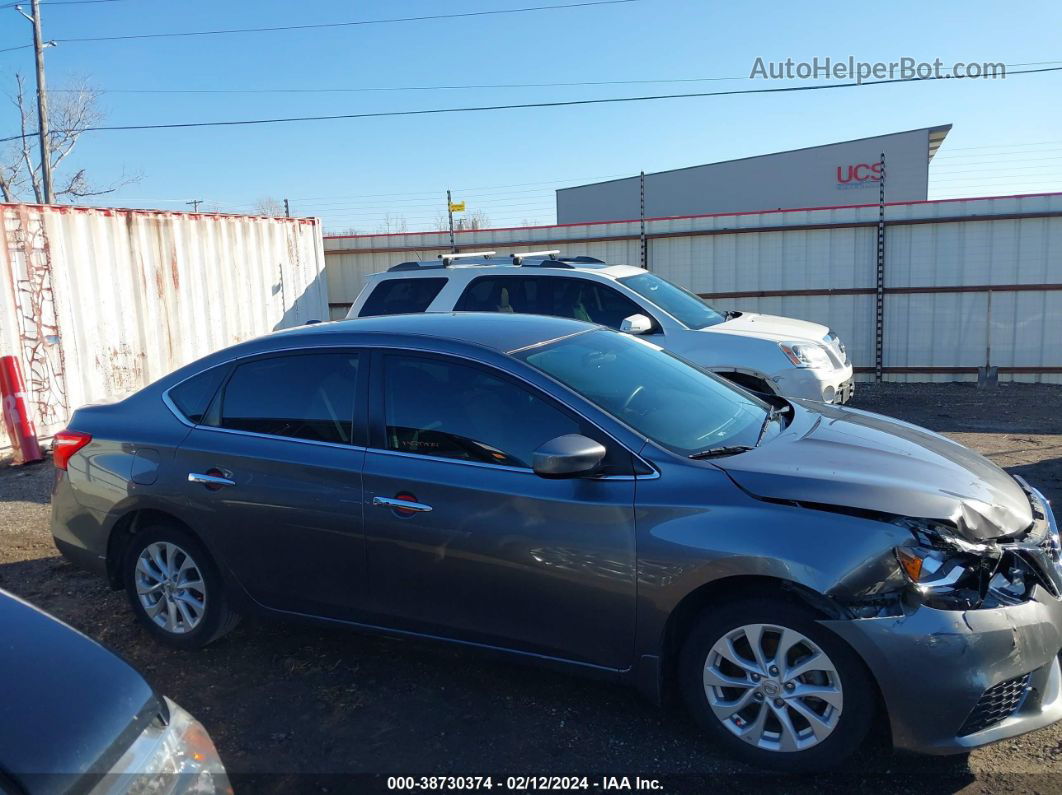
{"points": [[496, 330]]}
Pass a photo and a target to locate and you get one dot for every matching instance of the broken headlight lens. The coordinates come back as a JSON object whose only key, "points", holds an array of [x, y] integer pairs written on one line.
{"points": [[950, 573], [947, 572], [807, 354]]}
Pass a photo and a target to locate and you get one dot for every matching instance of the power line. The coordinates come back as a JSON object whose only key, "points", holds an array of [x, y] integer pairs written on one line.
{"points": [[60, 3], [362, 89], [525, 105], [354, 23], [443, 87]]}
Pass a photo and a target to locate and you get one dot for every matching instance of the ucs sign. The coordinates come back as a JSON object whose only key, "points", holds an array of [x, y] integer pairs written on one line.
{"points": [[859, 175]]}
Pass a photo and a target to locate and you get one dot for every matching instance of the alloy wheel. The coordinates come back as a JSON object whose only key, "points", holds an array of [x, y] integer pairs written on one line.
{"points": [[773, 687], [170, 587]]}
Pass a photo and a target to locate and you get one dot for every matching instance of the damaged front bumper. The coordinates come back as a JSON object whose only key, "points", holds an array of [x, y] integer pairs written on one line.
{"points": [[953, 680]]}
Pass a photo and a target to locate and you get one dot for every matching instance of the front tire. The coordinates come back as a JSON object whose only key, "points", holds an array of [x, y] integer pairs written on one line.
{"points": [[774, 687], [175, 588]]}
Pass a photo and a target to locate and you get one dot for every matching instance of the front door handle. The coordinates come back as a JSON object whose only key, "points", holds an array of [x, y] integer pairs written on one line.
{"points": [[215, 481], [401, 505]]}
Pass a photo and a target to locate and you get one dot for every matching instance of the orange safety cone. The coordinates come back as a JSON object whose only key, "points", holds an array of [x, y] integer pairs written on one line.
{"points": [[17, 420]]}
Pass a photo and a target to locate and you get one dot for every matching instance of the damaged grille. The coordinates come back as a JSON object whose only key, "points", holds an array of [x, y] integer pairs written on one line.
{"points": [[996, 704]]}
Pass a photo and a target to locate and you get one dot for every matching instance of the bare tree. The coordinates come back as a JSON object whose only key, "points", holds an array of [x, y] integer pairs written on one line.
{"points": [[71, 113], [267, 205], [393, 224], [477, 219]]}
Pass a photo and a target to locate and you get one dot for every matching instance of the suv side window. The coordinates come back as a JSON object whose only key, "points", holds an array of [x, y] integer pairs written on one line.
{"points": [[519, 294], [401, 296], [580, 299], [442, 408], [589, 301], [303, 396]]}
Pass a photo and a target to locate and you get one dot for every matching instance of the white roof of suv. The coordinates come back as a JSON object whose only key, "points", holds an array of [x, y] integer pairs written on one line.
{"points": [[488, 259]]}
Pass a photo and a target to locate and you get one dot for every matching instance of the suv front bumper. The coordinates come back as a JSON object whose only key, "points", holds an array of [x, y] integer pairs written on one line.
{"points": [[824, 386]]}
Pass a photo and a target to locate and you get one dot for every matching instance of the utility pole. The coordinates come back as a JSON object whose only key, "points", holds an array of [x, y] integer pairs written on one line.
{"points": [[450, 212], [195, 204], [42, 102], [287, 209]]}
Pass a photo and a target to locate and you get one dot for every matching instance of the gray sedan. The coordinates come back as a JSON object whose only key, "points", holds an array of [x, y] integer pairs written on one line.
{"points": [[571, 495]]}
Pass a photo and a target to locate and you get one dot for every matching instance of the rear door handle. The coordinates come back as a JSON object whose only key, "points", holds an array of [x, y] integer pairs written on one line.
{"points": [[402, 505], [210, 480]]}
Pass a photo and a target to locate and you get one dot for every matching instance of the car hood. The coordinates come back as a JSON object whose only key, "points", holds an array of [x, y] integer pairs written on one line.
{"points": [[70, 707], [848, 458], [772, 327]]}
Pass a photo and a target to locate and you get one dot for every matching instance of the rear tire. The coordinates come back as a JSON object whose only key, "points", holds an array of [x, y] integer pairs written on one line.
{"points": [[805, 702], [175, 589]]}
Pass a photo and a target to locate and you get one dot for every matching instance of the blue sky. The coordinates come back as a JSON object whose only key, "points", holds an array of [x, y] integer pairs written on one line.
{"points": [[1006, 137]]}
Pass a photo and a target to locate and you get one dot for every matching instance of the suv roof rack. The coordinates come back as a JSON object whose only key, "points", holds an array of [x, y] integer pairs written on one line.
{"points": [[445, 260], [563, 262], [519, 256], [523, 259], [448, 258]]}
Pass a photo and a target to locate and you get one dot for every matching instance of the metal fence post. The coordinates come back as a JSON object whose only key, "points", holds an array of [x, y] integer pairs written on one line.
{"points": [[641, 215], [879, 293], [450, 215]]}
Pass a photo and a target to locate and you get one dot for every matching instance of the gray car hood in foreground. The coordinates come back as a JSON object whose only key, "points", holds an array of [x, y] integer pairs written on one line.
{"points": [[844, 457], [69, 708]]}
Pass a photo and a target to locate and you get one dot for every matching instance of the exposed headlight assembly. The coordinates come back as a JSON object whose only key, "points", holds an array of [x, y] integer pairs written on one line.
{"points": [[173, 757], [807, 354], [949, 573], [945, 570]]}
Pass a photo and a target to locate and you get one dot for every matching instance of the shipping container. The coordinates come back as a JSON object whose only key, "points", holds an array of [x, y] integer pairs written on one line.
{"points": [[97, 303]]}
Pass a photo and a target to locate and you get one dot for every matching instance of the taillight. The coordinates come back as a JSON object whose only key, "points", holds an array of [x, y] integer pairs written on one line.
{"points": [[65, 444]]}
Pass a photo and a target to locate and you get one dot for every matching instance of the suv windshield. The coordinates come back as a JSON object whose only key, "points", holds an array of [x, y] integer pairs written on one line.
{"points": [[677, 405], [681, 304]]}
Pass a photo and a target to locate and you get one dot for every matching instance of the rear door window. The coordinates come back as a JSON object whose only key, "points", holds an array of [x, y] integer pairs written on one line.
{"points": [[302, 396], [401, 296], [516, 294]]}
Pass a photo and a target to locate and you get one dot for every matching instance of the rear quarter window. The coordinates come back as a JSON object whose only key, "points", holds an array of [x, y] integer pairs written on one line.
{"points": [[401, 296], [192, 396]]}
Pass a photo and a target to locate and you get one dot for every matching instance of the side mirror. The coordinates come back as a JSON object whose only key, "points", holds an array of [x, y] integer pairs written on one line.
{"points": [[567, 456], [636, 324]]}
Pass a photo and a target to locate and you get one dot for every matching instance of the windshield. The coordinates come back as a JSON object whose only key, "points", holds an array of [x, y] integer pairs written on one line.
{"points": [[667, 399], [681, 304]]}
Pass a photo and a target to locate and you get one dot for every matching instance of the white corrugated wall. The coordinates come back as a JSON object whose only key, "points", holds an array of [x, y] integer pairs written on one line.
{"points": [[941, 259], [97, 303]]}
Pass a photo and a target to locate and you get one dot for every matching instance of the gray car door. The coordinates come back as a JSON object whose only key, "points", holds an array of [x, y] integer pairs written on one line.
{"points": [[486, 550], [274, 470]]}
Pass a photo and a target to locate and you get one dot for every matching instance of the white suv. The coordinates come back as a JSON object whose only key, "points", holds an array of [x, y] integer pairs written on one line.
{"points": [[765, 353]]}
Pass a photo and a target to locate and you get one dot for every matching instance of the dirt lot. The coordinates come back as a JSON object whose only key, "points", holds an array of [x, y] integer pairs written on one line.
{"points": [[293, 707]]}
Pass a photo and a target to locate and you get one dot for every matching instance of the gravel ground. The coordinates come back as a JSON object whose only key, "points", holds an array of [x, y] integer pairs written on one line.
{"points": [[296, 707]]}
